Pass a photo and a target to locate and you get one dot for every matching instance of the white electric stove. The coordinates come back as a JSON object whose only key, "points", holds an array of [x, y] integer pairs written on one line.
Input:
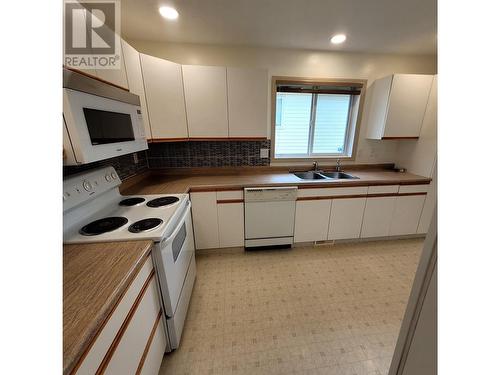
{"points": [[95, 211]]}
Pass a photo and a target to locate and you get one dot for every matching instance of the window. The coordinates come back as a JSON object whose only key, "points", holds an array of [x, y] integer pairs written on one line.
{"points": [[315, 120]]}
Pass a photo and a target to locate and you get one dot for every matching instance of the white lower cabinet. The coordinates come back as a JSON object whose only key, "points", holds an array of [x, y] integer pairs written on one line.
{"points": [[406, 214], [346, 218], [231, 224], [133, 338], [205, 219], [377, 217], [312, 218]]}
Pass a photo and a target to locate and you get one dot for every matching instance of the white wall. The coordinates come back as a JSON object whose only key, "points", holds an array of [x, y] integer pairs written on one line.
{"points": [[303, 63]]}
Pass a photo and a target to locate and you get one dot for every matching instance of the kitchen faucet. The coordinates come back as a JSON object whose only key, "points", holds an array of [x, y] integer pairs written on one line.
{"points": [[315, 166], [339, 167]]}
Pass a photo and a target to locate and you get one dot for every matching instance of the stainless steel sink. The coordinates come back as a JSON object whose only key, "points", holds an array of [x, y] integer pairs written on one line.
{"points": [[310, 175], [338, 175], [320, 175]]}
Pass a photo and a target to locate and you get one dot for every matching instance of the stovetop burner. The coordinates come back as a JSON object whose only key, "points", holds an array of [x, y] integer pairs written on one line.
{"points": [[132, 201], [145, 225], [101, 226], [162, 201]]}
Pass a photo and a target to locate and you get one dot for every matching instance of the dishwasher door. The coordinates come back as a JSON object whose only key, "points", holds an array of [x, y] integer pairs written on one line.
{"points": [[269, 216]]}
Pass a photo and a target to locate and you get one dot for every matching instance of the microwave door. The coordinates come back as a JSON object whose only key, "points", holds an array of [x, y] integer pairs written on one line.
{"points": [[101, 128]]}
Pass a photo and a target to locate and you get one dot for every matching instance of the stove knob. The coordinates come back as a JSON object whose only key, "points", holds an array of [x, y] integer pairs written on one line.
{"points": [[87, 185], [107, 177], [114, 175]]}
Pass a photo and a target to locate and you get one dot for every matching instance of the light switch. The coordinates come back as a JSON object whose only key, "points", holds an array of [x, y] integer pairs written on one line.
{"points": [[264, 153]]}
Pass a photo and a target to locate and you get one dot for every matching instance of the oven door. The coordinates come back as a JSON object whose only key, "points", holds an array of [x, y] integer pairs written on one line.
{"points": [[101, 128], [173, 258]]}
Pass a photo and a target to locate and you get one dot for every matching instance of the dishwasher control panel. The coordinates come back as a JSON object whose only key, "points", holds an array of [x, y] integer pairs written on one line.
{"points": [[267, 194]]}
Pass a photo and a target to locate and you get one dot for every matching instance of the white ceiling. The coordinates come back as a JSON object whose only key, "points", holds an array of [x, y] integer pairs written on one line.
{"points": [[386, 26]]}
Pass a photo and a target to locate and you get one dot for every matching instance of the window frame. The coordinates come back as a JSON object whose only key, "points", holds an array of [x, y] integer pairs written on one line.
{"points": [[353, 125]]}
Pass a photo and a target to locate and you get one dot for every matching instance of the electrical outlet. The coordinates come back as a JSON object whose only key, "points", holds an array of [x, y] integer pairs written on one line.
{"points": [[136, 159], [264, 153]]}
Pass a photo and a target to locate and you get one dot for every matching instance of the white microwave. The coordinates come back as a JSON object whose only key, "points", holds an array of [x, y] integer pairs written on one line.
{"points": [[100, 121]]}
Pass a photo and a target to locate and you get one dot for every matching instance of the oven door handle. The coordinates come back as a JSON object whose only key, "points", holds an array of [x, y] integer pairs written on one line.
{"points": [[182, 219]]}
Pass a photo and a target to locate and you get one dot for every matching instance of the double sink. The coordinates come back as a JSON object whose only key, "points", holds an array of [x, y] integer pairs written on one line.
{"points": [[320, 175]]}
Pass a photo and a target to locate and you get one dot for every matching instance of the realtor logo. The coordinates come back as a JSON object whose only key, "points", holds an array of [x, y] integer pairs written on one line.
{"points": [[92, 34]]}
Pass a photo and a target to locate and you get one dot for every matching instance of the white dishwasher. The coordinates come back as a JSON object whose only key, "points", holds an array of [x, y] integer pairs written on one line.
{"points": [[269, 216]]}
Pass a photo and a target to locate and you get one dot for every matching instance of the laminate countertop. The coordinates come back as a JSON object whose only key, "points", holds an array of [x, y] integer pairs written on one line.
{"points": [[95, 276], [158, 183]]}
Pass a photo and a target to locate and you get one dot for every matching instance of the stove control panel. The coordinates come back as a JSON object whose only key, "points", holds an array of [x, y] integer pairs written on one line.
{"points": [[87, 185]]}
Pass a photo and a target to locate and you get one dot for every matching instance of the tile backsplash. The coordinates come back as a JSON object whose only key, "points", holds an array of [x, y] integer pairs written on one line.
{"points": [[124, 165], [207, 154]]}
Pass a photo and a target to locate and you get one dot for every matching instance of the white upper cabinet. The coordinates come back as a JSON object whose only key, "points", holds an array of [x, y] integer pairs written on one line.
{"points": [[247, 102], [135, 83], [205, 90], [165, 97], [115, 76], [398, 104]]}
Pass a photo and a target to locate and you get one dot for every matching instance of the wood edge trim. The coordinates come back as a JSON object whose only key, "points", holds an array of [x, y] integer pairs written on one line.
{"points": [[202, 139], [391, 138], [344, 184], [105, 321], [96, 78], [414, 193], [224, 201], [314, 198], [149, 342], [426, 182], [331, 197], [209, 189], [121, 331]]}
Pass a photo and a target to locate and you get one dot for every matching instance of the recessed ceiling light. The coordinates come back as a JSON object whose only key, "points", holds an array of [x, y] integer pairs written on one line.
{"points": [[337, 39], [169, 13]]}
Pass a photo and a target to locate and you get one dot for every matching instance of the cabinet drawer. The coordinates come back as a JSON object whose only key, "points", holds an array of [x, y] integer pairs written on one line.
{"points": [[152, 357], [330, 192], [126, 358], [229, 194], [406, 189], [383, 189], [97, 352]]}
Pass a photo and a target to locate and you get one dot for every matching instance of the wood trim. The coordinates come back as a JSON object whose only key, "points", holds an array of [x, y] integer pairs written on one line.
{"points": [[148, 344], [391, 138], [423, 182], [202, 139], [123, 328], [95, 77], [415, 193], [105, 321], [331, 197], [357, 196], [209, 189], [224, 201], [283, 80]]}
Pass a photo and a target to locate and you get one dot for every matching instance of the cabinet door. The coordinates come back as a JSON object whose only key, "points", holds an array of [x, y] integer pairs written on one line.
{"points": [[205, 220], [312, 218], [377, 217], [135, 83], [116, 76], [247, 102], [206, 100], [81, 36], [346, 218], [165, 97], [407, 103], [231, 224], [406, 214]]}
